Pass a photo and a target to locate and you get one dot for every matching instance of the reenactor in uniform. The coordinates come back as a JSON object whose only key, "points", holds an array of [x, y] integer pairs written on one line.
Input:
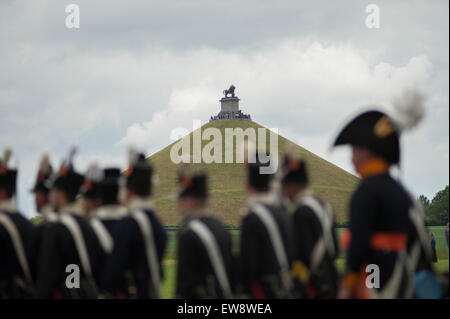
{"points": [[105, 221], [90, 190], [314, 232], [205, 260], [385, 221], [69, 245], [141, 239], [41, 189], [91, 193], [110, 211], [266, 244], [16, 239]]}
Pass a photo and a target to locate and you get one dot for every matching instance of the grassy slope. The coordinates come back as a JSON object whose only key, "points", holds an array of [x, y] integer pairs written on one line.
{"points": [[227, 181]]}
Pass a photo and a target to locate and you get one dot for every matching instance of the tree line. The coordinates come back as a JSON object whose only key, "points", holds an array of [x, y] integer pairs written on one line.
{"points": [[436, 210]]}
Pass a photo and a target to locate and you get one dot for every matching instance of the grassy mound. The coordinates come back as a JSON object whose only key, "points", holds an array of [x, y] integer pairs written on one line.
{"points": [[227, 180]]}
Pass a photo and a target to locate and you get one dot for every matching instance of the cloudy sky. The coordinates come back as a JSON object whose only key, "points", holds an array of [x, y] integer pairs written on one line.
{"points": [[135, 70]]}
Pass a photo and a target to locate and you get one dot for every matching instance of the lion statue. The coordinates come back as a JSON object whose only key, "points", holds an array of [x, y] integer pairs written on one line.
{"points": [[229, 91]]}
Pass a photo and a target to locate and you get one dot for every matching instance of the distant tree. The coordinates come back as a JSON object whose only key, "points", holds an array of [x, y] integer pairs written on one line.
{"points": [[425, 202], [426, 206], [437, 212]]}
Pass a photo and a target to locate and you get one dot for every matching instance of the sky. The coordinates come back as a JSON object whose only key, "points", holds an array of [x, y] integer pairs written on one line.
{"points": [[136, 70]]}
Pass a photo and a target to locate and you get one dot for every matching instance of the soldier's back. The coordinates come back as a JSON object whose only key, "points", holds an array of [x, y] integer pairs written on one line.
{"points": [[11, 270], [379, 227], [196, 275], [260, 270], [130, 255], [313, 226], [59, 250]]}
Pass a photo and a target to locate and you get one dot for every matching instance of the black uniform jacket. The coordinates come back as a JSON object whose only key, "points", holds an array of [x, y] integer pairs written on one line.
{"points": [[129, 257], [308, 229], [58, 250], [48, 217], [260, 270], [379, 227], [195, 274], [10, 267], [110, 216]]}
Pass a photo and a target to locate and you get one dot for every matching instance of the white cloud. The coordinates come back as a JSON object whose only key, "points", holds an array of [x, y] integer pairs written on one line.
{"points": [[184, 106], [305, 89]]}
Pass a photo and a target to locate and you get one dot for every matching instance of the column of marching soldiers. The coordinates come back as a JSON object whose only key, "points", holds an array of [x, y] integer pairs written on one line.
{"points": [[288, 242]]}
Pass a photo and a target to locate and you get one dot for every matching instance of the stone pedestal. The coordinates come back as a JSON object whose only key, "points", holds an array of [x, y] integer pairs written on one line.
{"points": [[229, 106], [229, 109]]}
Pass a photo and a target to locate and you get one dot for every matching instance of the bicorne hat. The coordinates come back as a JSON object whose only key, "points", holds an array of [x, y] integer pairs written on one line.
{"points": [[374, 130]]}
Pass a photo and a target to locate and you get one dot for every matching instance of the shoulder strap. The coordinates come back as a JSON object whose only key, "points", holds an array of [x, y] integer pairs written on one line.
{"points": [[275, 237], [150, 247], [16, 240], [417, 216], [80, 244], [51, 217], [392, 288], [325, 241], [103, 235], [277, 243], [212, 248]]}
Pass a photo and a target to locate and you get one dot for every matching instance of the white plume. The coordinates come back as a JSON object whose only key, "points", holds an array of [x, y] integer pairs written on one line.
{"points": [[68, 162], [6, 156], [133, 156], [410, 109], [44, 166], [94, 173]]}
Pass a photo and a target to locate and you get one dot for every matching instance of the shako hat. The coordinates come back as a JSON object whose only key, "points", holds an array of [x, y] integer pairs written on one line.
{"points": [[255, 176], [109, 186], [8, 176], [139, 174], [293, 170], [67, 179], [44, 176], [192, 183], [91, 185]]}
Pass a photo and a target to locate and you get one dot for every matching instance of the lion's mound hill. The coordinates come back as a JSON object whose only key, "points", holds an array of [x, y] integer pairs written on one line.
{"points": [[227, 180]]}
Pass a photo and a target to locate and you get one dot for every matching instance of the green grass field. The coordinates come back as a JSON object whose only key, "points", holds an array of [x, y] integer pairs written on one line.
{"points": [[168, 285]]}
